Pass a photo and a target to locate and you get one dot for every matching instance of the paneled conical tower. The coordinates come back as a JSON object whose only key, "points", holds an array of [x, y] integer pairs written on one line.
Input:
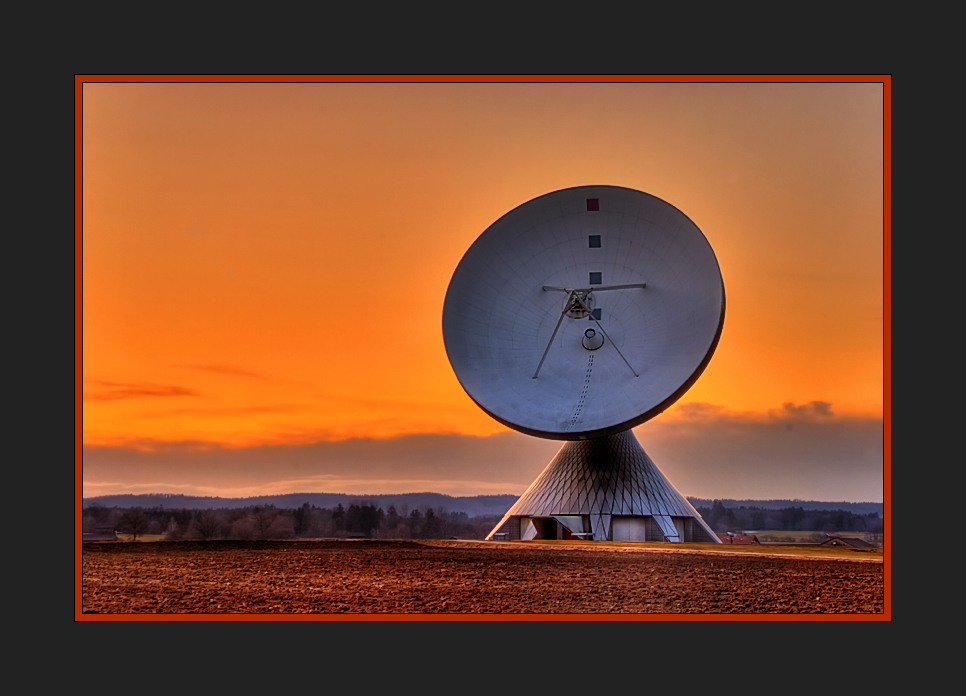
{"points": [[604, 489]]}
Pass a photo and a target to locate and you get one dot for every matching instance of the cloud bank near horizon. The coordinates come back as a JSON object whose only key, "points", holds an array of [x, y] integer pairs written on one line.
{"points": [[805, 452]]}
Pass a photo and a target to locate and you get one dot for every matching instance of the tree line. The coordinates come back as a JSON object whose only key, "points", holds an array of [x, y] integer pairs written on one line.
{"points": [[359, 520], [734, 519], [365, 520]]}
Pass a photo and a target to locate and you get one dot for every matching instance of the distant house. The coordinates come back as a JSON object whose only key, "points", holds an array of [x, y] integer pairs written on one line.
{"points": [[851, 542], [102, 532], [730, 538]]}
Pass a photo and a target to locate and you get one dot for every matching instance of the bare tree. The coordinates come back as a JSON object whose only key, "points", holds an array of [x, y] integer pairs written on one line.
{"points": [[173, 531], [134, 522], [243, 528], [282, 527], [263, 519], [206, 525]]}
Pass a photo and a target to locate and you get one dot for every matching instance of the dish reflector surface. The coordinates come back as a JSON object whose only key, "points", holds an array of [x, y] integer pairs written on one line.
{"points": [[521, 300]]}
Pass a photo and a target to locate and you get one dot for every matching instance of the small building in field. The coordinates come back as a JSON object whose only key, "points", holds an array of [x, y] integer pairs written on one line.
{"points": [[851, 542], [102, 532], [729, 538]]}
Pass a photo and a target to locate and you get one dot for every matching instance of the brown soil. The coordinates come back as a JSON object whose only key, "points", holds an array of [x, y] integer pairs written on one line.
{"points": [[399, 577]]}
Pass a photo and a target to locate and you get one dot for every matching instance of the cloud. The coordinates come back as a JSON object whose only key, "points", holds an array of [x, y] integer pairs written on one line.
{"points": [[495, 459], [789, 411], [326, 484], [804, 452], [228, 370], [813, 409], [114, 391], [697, 411], [232, 371], [705, 451], [238, 410]]}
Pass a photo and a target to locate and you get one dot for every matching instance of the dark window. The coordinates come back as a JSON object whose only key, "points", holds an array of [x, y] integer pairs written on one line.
{"points": [[593, 204], [594, 241], [595, 313], [596, 278]]}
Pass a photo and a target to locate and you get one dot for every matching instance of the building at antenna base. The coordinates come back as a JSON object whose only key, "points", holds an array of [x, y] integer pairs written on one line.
{"points": [[605, 489]]}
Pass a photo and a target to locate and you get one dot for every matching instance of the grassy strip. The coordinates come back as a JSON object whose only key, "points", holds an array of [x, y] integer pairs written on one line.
{"points": [[839, 552]]}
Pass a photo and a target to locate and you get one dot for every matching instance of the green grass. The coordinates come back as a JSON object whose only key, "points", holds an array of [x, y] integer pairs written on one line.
{"points": [[632, 546], [780, 535]]}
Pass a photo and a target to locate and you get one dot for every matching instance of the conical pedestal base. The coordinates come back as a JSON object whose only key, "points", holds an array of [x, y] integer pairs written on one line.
{"points": [[606, 489]]}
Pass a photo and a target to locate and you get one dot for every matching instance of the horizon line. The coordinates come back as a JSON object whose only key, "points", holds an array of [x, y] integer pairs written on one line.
{"points": [[480, 495]]}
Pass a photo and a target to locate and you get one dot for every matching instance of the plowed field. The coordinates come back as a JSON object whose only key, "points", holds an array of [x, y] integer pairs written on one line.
{"points": [[400, 577]]}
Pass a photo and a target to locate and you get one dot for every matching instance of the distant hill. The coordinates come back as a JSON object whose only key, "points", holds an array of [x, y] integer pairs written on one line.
{"points": [[854, 508], [472, 506]]}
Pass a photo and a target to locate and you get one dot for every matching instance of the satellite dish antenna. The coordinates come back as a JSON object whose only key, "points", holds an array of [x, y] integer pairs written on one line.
{"points": [[577, 316]]}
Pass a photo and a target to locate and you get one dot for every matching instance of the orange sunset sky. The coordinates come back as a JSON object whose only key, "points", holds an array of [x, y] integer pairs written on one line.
{"points": [[264, 269]]}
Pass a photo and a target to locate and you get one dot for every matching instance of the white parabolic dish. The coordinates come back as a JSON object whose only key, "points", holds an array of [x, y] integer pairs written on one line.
{"points": [[568, 250]]}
